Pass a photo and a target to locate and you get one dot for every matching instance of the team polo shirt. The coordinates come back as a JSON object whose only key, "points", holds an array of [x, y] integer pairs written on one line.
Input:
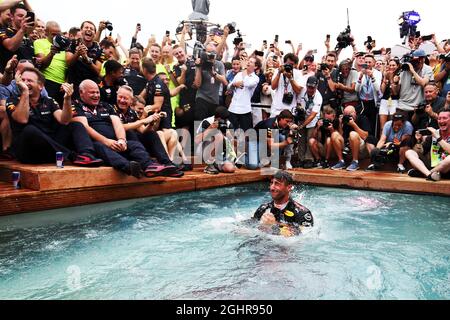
{"points": [[157, 88], [79, 70], [98, 117], [25, 51], [56, 71], [135, 80], [41, 116], [129, 116]]}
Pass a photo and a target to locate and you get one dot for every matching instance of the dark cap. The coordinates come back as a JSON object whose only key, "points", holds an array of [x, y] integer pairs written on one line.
{"points": [[312, 82], [222, 113], [284, 176], [398, 116]]}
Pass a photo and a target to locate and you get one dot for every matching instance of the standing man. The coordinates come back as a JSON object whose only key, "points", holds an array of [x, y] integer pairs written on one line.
{"points": [[283, 216]]}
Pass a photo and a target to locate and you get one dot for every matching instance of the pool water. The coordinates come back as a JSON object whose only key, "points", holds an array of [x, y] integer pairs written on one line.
{"points": [[365, 245]]}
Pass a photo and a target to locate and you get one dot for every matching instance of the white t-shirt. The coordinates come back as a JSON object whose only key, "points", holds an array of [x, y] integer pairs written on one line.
{"points": [[277, 102], [241, 103], [313, 104]]}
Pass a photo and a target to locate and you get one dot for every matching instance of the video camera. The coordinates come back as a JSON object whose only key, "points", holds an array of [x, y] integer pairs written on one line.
{"points": [[223, 126], [299, 115], [408, 23], [295, 135], [387, 151], [369, 43], [238, 39], [408, 58], [62, 43], [344, 39]]}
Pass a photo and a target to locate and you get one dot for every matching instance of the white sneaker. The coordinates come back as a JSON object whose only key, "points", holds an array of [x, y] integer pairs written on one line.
{"points": [[289, 165]]}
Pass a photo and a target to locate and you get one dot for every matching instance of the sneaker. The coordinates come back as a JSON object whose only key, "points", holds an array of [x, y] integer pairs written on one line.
{"points": [[372, 167], [318, 164], [354, 166], [211, 169], [308, 164], [135, 170], [324, 164], [413, 173], [434, 176], [186, 167], [157, 169], [401, 168], [87, 160], [339, 166], [289, 165]]}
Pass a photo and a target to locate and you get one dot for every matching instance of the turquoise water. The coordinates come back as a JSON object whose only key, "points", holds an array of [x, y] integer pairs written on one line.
{"points": [[365, 245]]}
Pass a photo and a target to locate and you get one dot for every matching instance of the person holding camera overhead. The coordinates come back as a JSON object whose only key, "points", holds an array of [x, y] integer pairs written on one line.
{"points": [[426, 114], [51, 57], [393, 144], [209, 75], [328, 79], [414, 77], [84, 57], [287, 83], [352, 138], [13, 39]]}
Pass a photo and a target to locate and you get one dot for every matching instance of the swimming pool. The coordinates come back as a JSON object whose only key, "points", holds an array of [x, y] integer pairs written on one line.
{"points": [[366, 245]]}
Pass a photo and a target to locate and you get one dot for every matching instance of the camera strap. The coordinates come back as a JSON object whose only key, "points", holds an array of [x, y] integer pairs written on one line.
{"points": [[286, 84]]}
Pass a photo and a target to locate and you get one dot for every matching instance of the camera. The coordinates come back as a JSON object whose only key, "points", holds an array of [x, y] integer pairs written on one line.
{"points": [[300, 114], [346, 119], [369, 43], [238, 39], [295, 135], [231, 27], [385, 153], [421, 108], [326, 123], [62, 43], [288, 68], [288, 97], [109, 26], [207, 60], [163, 115], [344, 39], [407, 58], [223, 126]]}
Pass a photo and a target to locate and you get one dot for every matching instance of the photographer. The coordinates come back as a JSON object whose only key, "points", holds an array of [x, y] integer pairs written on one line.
{"points": [[346, 84], [389, 101], [368, 89], [352, 138], [307, 114], [320, 141], [214, 139], [51, 57], [282, 129], [443, 77], [328, 78], [393, 144], [426, 114], [414, 77], [84, 57], [434, 161], [287, 82], [209, 76]]}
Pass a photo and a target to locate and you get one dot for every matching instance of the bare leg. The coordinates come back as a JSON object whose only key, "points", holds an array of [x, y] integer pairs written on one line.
{"points": [[314, 148], [415, 161], [355, 142], [383, 120], [338, 145]]}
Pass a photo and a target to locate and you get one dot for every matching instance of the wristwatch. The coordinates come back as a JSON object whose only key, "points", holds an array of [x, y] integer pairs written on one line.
{"points": [[439, 140]]}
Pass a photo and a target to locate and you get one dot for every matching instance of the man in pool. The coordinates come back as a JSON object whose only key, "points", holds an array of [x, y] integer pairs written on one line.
{"points": [[283, 216]]}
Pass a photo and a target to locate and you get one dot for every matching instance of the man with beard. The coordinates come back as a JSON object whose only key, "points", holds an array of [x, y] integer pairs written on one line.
{"points": [[283, 216], [111, 82]]}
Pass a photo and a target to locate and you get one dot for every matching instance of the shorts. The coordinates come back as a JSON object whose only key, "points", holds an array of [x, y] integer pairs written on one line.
{"points": [[388, 108]]}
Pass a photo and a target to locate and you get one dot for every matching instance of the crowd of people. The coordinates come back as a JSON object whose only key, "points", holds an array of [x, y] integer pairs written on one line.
{"points": [[144, 109]]}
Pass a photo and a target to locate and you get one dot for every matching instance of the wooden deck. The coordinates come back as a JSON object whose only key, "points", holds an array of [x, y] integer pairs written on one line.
{"points": [[46, 187]]}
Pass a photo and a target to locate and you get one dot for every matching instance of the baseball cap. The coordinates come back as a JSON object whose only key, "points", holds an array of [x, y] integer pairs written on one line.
{"points": [[222, 113], [419, 53], [309, 58], [312, 82]]}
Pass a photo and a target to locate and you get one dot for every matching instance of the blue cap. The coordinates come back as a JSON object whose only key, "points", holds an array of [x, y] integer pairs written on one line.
{"points": [[419, 53]]}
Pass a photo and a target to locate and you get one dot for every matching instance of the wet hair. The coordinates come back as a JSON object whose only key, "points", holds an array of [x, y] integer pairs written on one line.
{"points": [[284, 176], [112, 66], [90, 22], [73, 31], [148, 65], [17, 7]]}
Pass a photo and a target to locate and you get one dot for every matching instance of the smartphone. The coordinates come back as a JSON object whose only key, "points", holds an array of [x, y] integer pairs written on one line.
{"points": [[388, 50], [288, 42], [376, 52], [168, 33], [424, 132], [259, 53], [328, 37], [427, 38], [276, 38], [364, 66], [265, 42], [139, 26], [417, 34], [272, 46], [31, 16]]}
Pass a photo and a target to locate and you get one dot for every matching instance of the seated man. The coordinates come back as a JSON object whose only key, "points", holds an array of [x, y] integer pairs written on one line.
{"points": [[40, 128], [107, 132], [277, 134], [140, 129], [216, 142], [283, 216], [320, 142], [393, 144], [352, 137], [434, 162]]}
